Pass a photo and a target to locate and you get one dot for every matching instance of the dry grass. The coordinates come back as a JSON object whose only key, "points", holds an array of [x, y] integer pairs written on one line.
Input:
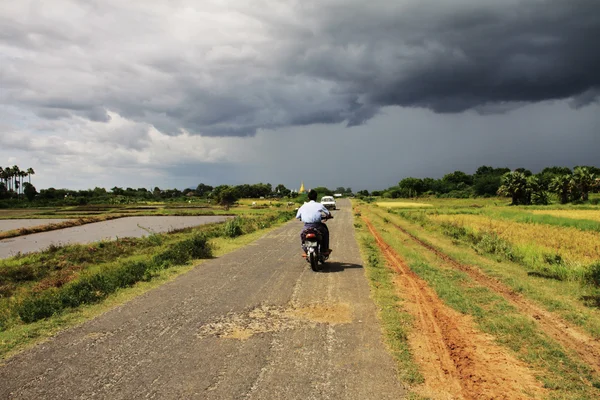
{"points": [[402, 204], [593, 215], [573, 245]]}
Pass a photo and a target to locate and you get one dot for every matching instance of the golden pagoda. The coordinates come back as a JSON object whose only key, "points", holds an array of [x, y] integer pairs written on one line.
{"points": [[301, 188]]}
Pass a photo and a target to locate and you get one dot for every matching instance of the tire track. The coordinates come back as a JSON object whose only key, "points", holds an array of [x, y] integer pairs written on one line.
{"points": [[456, 360], [557, 328]]}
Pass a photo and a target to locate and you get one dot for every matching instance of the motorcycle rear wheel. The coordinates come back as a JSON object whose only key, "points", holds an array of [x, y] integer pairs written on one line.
{"points": [[314, 261]]}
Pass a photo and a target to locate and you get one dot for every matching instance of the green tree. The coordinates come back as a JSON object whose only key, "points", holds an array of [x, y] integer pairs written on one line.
{"points": [[15, 174], [583, 181], [514, 185], [535, 193], [526, 172], [117, 191], [487, 180], [203, 190], [282, 191], [561, 185], [30, 191], [4, 175], [7, 175], [323, 191], [226, 195], [30, 172], [458, 177], [411, 186]]}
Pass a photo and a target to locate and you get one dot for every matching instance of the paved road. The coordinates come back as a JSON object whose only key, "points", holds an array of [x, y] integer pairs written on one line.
{"points": [[254, 324], [105, 230]]}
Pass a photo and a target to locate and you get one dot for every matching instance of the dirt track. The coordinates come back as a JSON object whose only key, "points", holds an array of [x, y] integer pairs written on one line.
{"points": [[254, 324], [109, 230], [570, 336], [457, 361]]}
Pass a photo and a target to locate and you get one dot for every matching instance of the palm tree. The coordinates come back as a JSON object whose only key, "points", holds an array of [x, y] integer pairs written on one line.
{"points": [[561, 185], [7, 173], [584, 181], [535, 191], [15, 174], [514, 184], [22, 175], [30, 172]]}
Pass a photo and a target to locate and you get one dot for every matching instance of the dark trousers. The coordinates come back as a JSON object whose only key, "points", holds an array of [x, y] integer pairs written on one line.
{"points": [[321, 227]]}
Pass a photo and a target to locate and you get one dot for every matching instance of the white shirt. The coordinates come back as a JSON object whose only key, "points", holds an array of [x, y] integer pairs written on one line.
{"points": [[310, 213]]}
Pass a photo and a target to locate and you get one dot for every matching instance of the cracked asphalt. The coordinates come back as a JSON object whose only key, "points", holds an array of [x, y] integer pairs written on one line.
{"points": [[256, 323]]}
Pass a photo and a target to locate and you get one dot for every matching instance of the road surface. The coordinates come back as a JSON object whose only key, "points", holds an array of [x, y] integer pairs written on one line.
{"points": [[254, 324]]}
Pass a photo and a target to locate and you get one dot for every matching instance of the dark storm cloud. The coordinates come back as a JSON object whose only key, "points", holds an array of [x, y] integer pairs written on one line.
{"points": [[276, 64], [454, 58]]}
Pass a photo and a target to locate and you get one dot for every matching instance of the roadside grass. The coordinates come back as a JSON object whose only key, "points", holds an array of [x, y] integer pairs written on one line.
{"points": [[56, 265], [396, 322], [54, 297], [558, 370], [576, 303]]}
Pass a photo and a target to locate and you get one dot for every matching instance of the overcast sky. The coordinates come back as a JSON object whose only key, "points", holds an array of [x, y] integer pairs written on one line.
{"points": [[172, 93]]}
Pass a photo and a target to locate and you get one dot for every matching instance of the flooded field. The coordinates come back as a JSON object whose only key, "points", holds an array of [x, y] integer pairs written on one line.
{"points": [[106, 230], [12, 224]]}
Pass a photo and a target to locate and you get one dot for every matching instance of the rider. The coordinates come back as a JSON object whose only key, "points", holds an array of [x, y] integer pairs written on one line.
{"points": [[310, 214]]}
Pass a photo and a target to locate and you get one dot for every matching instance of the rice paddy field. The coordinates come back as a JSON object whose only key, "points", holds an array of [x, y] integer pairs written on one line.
{"points": [[527, 277]]}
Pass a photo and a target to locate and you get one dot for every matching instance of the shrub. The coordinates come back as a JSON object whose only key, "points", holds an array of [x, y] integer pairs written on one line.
{"points": [[233, 228], [200, 247], [592, 275], [183, 251], [39, 307]]}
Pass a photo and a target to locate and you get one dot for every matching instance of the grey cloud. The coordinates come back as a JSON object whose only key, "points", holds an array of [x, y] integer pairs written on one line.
{"points": [[585, 98], [315, 62]]}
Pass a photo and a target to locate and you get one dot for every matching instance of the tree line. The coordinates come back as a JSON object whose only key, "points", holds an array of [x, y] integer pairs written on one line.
{"points": [[11, 182], [521, 185], [223, 194]]}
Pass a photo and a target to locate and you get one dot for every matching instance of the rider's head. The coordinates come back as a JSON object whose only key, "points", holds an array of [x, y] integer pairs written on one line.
{"points": [[312, 195]]}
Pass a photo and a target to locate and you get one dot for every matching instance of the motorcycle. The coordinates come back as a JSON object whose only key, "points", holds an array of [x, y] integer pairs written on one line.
{"points": [[311, 243]]}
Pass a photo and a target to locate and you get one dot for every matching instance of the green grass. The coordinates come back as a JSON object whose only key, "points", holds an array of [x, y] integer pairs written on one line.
{"points": [[558, 370], [394, 320]]}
